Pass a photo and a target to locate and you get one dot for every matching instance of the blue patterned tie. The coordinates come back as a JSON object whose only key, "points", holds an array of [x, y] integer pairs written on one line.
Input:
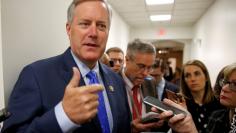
{"points": [[102, 114]]}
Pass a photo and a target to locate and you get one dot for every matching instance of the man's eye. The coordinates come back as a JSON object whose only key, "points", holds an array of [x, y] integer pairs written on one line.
{"points": [[102, 27], [141, 66], [233, 84], [83, 24]]}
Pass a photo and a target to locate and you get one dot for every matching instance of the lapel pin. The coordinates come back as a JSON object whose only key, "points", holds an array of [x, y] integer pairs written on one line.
{"points": [[111, 88]]}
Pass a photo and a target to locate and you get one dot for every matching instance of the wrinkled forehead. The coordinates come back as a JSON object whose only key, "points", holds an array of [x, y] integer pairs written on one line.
{"points": [[103, 2]]}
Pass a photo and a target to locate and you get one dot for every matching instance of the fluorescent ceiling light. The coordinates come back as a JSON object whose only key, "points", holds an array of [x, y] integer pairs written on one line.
{"points": [[160, 17], [159, 2]]}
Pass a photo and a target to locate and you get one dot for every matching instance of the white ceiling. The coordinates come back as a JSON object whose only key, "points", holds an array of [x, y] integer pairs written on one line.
{"points": [[184, 12]]}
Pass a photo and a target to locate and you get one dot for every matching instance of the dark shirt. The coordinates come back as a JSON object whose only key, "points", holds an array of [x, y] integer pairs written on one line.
{"points": [[201, 113], [219, 122]]}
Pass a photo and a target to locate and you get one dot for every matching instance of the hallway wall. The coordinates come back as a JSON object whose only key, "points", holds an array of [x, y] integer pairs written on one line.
{"points": [[1, 72], [214, 39]]}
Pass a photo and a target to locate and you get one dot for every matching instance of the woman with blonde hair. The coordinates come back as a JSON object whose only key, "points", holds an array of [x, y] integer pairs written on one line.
{"points": [[225, 120]]}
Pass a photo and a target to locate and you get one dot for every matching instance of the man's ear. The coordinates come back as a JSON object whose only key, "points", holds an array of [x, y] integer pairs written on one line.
{"points": [[126, 58], [68, 28]]}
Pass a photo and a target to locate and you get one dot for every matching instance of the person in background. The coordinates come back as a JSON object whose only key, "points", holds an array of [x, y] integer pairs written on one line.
{"points": [[117, 56], [106, 60], [72, 92], [220, 121], [224, 120], [217, 87], [168, 71], [176, 78], [198, 93], [162, 85], [139, 60]]}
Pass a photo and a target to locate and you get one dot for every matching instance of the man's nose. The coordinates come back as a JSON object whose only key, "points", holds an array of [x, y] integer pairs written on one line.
{"points": [[93, 30], [117, 62], [146, 72]]}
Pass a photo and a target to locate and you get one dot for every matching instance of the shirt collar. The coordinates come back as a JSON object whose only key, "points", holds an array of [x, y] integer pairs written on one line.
{"points": [[128, 83], [83, 68]]}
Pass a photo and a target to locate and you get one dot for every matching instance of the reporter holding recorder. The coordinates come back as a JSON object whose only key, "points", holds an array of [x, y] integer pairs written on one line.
{"points": [[222, 120]]}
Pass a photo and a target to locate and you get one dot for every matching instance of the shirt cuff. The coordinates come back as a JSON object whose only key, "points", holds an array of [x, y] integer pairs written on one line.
{"points": [[63, 120]]}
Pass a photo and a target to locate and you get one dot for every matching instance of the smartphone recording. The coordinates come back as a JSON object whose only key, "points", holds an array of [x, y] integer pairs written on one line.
{"points": [[154, 102]]}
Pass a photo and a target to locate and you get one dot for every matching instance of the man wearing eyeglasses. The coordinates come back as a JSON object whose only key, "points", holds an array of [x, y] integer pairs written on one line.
{"points": [[139, 60], [116, 55]]}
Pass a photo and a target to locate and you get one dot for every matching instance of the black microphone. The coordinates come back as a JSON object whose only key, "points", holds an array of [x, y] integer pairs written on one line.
{"points": [[4, 114]]}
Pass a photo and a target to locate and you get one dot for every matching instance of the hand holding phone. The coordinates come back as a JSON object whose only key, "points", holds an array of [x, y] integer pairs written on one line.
{"points": [[175, 97], [150, 117], [161, 106]]}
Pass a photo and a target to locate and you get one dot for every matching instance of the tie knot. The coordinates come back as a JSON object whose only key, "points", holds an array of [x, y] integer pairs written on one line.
{"points": [[135, 87], [91, 74], [92, 77]]}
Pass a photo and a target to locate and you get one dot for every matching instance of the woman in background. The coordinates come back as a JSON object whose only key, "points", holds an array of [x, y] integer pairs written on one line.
{"points": [[221, 121], [224, 120], [217, 87], [198, 93]]}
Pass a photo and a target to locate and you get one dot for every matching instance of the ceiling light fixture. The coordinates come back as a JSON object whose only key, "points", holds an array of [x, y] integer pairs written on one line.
{"points": [[160, 17], [159, 2]]}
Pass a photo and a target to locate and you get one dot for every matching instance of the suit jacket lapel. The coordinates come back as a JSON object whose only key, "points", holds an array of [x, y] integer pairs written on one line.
{"points": [[67, 73], [109, 86]]}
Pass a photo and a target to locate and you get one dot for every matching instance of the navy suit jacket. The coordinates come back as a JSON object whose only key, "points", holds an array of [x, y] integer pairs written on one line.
{"points": [[149, 89], [41, 87]]}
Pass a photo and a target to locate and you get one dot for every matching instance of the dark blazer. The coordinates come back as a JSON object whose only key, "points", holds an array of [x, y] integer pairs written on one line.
{"points": [[149, 89], [41, 86], [169, 86]]}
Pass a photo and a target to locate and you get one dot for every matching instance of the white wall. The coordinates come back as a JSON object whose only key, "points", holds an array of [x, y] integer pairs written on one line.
{"points": [[119, 32], [35, 29], [1, 73], [214, 37], [31, 30], [2, 104]]}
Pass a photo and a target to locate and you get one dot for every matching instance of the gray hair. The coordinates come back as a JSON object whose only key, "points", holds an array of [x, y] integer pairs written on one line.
{"points": [[138, 46], [74, 3]]}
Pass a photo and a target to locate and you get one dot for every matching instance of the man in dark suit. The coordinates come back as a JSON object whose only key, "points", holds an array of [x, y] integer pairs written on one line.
{"points": [[162, 85], [51, 97]]}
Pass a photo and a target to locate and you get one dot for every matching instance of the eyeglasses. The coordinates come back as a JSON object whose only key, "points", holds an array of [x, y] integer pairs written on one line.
{"points": [[120, 61], [143, 67], [232, 85]]}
